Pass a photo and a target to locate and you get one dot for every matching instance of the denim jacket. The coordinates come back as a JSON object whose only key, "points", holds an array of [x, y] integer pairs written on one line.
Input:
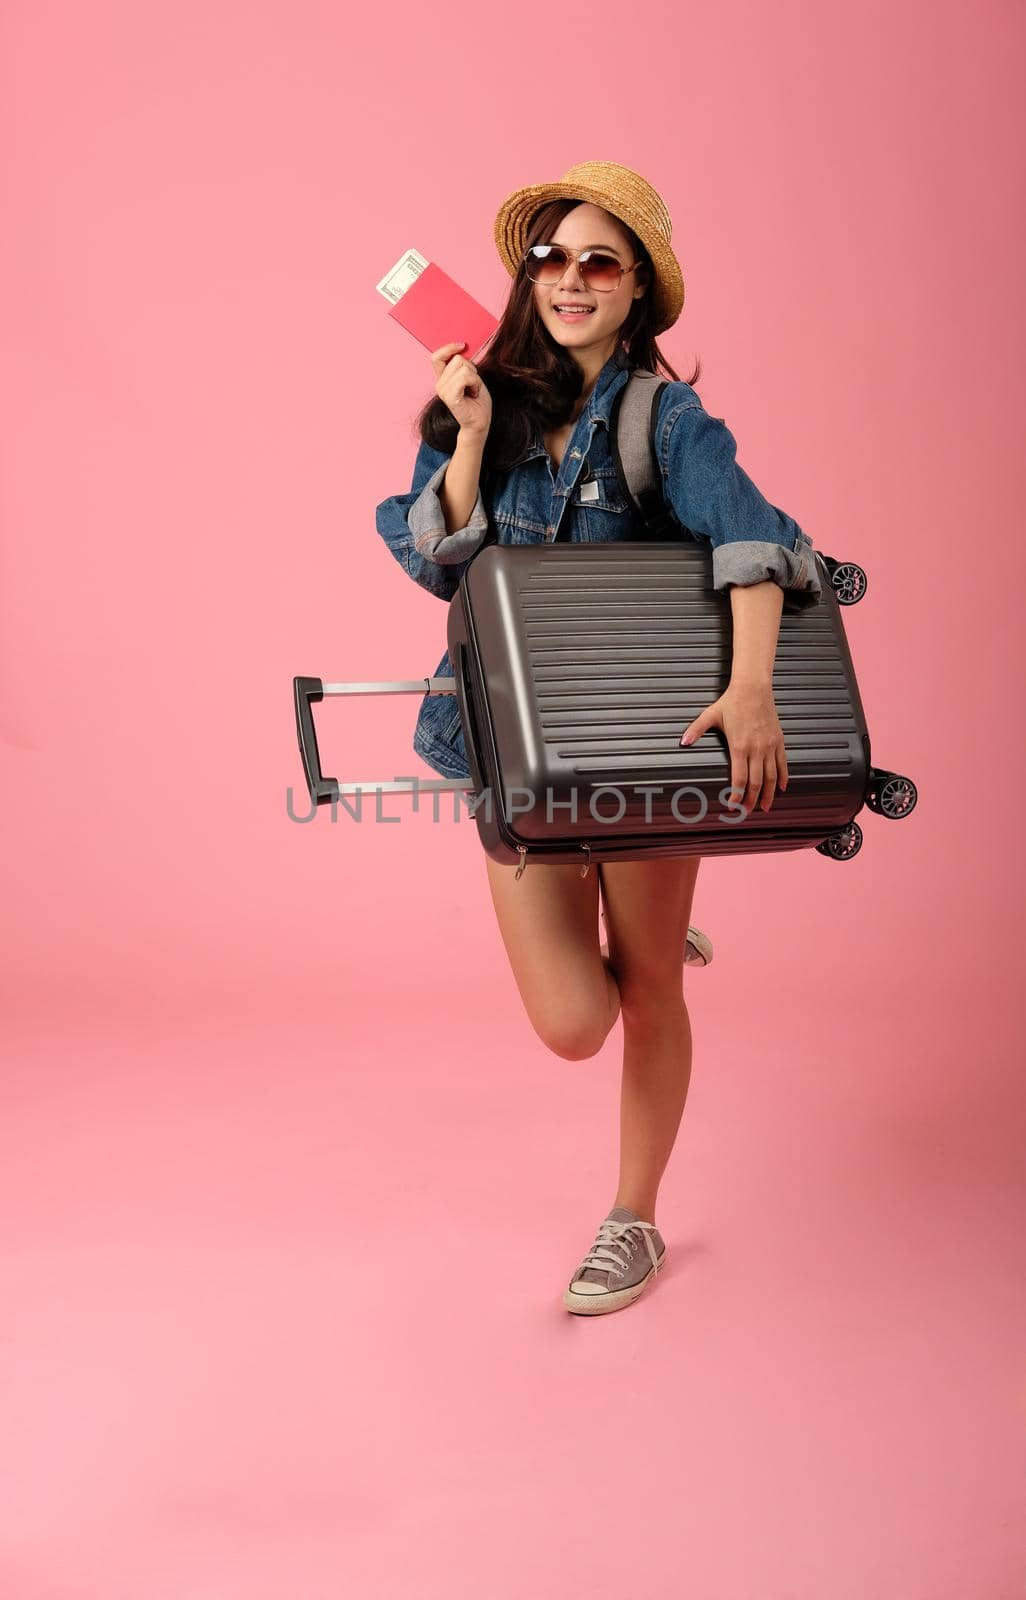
{"points": [[702, 483]]}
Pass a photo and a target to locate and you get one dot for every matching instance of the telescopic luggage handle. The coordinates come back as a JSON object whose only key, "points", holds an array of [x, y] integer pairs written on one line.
{"points": [[324, 790]]}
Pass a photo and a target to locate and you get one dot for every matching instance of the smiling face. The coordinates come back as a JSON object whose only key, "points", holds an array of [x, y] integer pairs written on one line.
{"points": [[592, 338]]}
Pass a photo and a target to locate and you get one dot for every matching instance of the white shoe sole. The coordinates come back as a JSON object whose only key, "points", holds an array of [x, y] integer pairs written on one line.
{"points": [[595, 1304]]}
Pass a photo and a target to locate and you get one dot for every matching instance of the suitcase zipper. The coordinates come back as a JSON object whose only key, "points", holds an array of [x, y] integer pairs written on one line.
{"points": [[522, 852]]}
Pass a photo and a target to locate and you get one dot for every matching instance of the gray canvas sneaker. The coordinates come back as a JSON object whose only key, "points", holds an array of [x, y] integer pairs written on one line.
{"points": [[626, 1253]]}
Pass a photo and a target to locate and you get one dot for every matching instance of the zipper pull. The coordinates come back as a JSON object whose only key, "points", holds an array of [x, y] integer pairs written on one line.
{"points": [[522, 849]]}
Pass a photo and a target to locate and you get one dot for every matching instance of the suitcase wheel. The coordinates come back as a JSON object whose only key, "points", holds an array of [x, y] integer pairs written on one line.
{"points": [[843, 845], [849, 581], [889, 794]]}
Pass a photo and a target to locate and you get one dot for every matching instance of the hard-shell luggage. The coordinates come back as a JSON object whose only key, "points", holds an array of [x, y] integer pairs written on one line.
{"points": [[578, 667]]}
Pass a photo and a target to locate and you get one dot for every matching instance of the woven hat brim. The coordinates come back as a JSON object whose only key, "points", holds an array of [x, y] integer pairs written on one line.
{"points": [[513, 221]]}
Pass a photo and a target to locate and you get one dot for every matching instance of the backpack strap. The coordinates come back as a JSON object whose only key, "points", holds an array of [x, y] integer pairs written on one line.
{"points": [[633, 421]]}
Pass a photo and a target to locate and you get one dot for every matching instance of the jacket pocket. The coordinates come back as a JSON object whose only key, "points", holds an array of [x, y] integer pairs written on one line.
{"points": [[600, 509], [600, 492]]}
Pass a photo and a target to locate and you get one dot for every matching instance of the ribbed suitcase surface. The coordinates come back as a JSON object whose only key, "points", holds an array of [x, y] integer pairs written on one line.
{"points": [[578, 668]]}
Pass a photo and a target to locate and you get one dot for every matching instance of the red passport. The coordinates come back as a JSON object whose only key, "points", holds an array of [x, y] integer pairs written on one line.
{"points": [[437, 311]]}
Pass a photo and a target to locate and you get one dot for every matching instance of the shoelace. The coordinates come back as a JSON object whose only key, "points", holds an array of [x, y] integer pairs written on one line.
{"points": [[612, 1237]]}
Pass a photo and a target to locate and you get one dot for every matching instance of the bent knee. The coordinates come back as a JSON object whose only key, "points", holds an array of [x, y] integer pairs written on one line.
{"points": [[575, 1034]]}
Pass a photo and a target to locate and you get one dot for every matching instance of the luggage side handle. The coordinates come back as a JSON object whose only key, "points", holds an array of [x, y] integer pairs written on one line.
{"points": [[322, 789]]}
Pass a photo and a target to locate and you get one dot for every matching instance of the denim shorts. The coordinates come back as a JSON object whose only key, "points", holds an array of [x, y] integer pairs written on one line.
{"points": [[438, 735]]}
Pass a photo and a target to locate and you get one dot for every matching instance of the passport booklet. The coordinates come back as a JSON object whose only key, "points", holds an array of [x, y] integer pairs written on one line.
{"points": [[429, 304]]}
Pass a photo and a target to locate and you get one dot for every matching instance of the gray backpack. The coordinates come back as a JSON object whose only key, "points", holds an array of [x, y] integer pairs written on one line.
{"points": [[632, 430]]}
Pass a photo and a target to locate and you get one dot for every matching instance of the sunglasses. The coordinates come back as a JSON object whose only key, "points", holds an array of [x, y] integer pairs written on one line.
{"points": [[546, 264]]}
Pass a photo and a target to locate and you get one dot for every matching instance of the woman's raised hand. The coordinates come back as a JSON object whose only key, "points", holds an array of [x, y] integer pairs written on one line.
{"points": [[460, 386]]}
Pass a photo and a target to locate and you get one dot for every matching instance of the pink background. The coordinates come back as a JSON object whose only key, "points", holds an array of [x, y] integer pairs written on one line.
{"points": [[291, 1189]]}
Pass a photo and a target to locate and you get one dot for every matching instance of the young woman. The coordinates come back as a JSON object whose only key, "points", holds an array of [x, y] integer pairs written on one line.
{"points": [[520, 441]]}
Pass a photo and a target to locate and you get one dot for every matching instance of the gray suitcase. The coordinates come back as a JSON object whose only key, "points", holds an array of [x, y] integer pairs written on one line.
{"points": [[578, 666]]}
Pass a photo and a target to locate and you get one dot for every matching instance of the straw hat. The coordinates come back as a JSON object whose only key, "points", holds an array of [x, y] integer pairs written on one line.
{"points": [[620, 191]]}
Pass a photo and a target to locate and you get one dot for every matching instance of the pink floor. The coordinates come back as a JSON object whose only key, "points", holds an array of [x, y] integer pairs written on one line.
{"points": [[282, 1310]]}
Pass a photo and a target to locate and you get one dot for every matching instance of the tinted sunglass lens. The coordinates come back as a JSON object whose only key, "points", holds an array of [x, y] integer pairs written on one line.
{"points": [[546, 263], [599, 270]]}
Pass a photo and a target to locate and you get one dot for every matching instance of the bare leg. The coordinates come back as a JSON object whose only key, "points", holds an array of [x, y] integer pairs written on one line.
{"points": [[648, 909], [572, 995], [549, 925]]}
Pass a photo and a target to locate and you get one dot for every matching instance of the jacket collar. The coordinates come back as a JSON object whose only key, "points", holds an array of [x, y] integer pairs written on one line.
{"points": [[607, 385]]}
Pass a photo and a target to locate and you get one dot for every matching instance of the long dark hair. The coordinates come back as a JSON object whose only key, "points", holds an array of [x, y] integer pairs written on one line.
{"points": [[533, 381]]}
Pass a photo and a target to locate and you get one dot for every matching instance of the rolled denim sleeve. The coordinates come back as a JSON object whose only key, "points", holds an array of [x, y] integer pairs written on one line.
{"points": [[714, 497], [413, 527]]}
